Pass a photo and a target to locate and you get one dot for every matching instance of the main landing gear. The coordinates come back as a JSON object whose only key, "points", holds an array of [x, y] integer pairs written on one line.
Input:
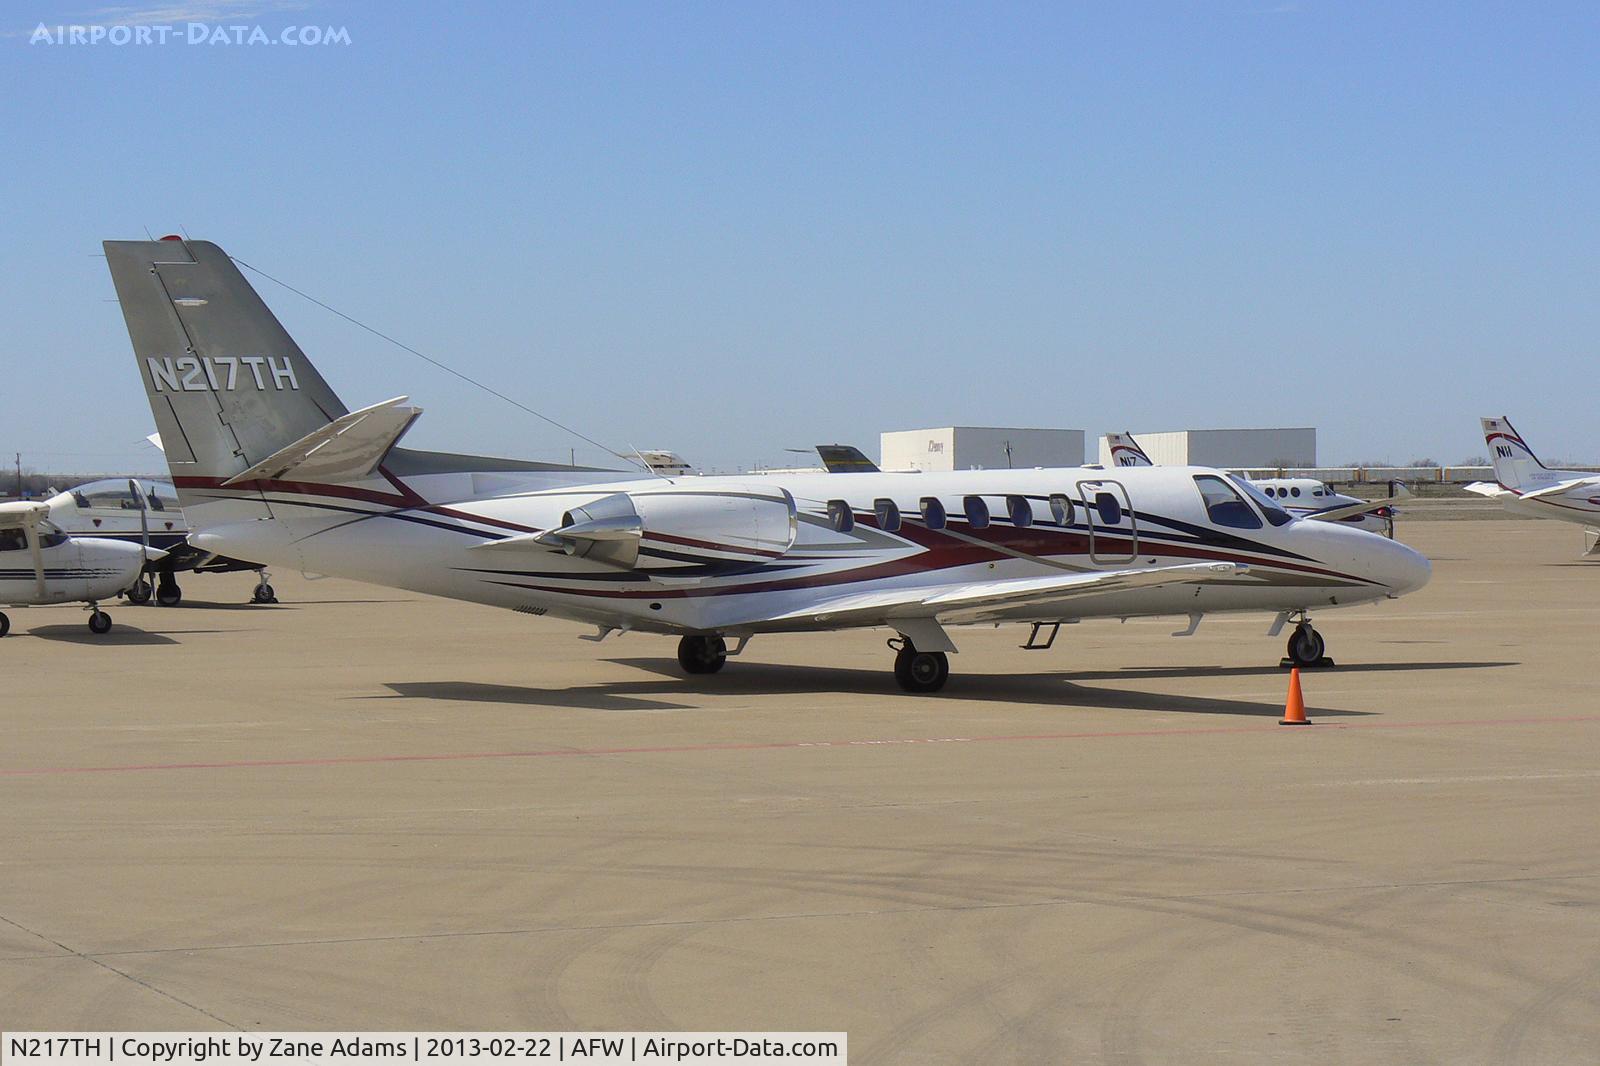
{"points": [[168, 594], [702, 655], [919, 671]]}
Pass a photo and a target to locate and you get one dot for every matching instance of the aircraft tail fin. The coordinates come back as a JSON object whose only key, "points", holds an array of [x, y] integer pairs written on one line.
{"points": [[1125, 451], [227, 384], [1515, 465], [845, 459]]}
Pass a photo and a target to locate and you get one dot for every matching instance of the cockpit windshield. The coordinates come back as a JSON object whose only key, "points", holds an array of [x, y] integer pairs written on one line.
{"points": [[1269, 507]]}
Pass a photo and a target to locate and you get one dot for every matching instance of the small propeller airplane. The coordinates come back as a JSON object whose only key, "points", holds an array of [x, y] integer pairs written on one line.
{"points": [[1526, 486], [1302, 497], [147, 513], [62, 569], [269, 464]]}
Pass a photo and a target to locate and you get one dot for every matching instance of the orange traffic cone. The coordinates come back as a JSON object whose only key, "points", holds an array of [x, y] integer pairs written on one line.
{"points": [[1294, 708]]}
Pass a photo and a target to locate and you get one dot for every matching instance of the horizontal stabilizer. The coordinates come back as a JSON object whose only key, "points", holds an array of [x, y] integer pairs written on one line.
{"points": [[1048, 596], [347, 449], [1489, 489], [1562, 488]]}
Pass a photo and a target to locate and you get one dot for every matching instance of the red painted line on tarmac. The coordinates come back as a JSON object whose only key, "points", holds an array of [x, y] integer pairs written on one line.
{"points": [[780, 745]]}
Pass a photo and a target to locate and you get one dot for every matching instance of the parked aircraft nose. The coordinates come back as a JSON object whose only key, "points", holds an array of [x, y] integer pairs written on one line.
{"points": [[1403, 569]]}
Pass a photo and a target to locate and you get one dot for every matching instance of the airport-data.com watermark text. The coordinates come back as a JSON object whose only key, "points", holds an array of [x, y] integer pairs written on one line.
{"points": [[211, 33]]}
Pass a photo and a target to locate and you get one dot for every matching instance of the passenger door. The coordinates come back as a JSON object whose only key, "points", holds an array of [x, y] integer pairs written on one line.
{"points": [[1113, 528]]}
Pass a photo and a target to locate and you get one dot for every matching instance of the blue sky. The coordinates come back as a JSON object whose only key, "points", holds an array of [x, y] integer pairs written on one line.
{"points": [[734, 228]]}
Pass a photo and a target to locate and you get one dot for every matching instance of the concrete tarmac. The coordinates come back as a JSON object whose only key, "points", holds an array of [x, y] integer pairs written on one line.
{"points": [[368, 810]]}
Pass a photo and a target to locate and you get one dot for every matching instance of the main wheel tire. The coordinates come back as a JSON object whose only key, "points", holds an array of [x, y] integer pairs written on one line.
{"points": [[140, 592], [168, 594], [921, 671], [5, 625], [99, 622], [1306, 646], [702, 655]]}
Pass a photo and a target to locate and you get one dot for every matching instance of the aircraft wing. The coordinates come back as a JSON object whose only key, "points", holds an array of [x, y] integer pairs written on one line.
{"points": [[1350, 510], [1562, 488], [22, 514], [347, 449], [985, 599]]}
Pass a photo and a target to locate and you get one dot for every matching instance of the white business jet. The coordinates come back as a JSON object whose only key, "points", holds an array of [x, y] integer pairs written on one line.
{"points": [[1525, 485], [39, 565], [270, 465]]}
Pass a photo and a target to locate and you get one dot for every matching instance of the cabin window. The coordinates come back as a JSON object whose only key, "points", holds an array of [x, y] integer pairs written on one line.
{"points": [[840, 516], [1225, 506], [1021, 511], [1109, 508], [932, 513], [1295, 491], [1061, 509], [888, 515], [977, 511], [12, 540]]}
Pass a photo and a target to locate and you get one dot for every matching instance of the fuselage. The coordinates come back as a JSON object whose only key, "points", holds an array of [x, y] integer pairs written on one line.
{"points": [[728, 567], [75, 568]]}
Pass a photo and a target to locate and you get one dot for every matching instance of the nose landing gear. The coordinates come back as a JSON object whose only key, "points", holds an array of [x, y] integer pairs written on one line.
{"points": [[99, 621]]}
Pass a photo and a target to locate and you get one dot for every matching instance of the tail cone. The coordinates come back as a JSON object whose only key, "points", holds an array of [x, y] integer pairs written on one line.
{"points": [[1294, 708]]}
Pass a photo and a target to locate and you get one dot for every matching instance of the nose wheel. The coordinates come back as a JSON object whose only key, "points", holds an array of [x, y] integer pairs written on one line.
{"points": [[140, 591], [5, 625], [99, 621], [1306, 647], [702, 655], [919, 672]]}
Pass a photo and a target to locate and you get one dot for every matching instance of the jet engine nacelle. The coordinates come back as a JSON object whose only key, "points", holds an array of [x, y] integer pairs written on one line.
{"points": [[679, 526]]}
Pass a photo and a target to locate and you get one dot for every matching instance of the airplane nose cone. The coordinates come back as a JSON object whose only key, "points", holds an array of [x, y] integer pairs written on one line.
{"points": [[1406, 569]]}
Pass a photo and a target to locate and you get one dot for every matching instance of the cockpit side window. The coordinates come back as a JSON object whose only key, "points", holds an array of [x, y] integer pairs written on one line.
{"points": [[1225, 506], [1269, 507], [12, 539]]}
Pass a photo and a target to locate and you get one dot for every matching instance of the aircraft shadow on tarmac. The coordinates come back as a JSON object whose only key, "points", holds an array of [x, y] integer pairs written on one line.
{"points": [[119, 635], [756, 679]]}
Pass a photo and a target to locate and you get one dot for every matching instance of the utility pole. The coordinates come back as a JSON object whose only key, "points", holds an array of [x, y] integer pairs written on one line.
{"points": [[19, 475]]}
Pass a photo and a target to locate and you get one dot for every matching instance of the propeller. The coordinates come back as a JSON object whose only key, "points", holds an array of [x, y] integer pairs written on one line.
{"points": [[144, 524]]}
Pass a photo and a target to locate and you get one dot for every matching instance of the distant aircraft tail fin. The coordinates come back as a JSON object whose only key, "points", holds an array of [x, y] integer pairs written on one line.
{"points": [[227, 384], [845, 459], [1515, 465], [1125, 451]]}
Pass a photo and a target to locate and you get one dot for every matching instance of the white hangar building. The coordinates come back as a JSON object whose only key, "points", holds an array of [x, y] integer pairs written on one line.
{"points": [[980, 448], [1230, 449]]}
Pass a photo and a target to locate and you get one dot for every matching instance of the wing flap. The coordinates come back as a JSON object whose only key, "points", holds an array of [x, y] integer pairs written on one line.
{"points": [[347, 449], [982, 600]]}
